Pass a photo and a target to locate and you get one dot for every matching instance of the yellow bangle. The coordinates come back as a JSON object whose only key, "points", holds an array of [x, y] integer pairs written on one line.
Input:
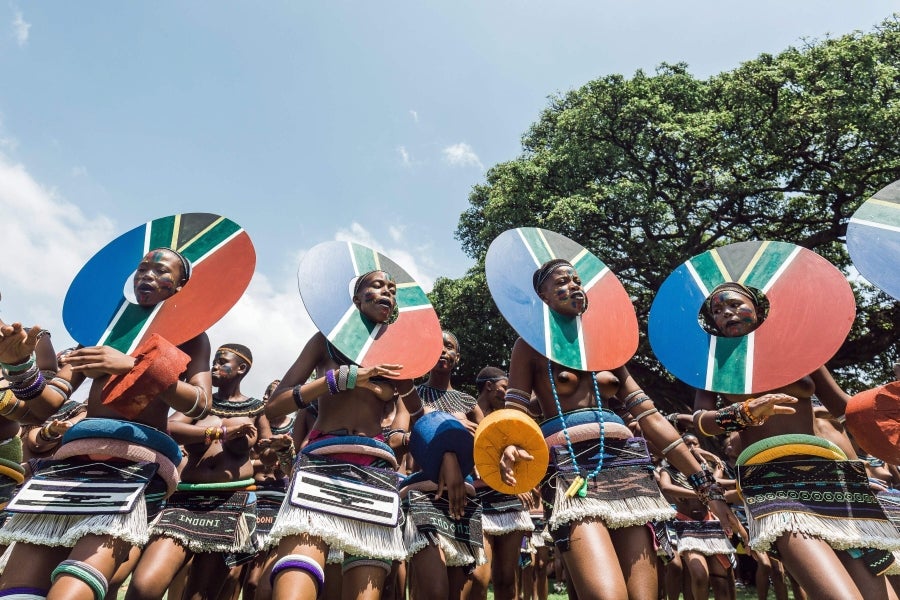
{"points": [[698, 422], [6, 399]]}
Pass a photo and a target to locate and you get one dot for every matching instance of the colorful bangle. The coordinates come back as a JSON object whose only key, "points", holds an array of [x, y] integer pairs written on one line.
{"points": [[62, 384], [7, 399], [351, 376], [207, 435], [223, 431], [342, 376], [33, 390], [330, 381], [9, 369], [730, 418], [518, 397], [298, 397], [748, 417], [45, 434], [23, 376]]}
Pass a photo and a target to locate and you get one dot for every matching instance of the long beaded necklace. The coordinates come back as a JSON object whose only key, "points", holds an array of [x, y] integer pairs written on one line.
{"points": [[579, 485]]}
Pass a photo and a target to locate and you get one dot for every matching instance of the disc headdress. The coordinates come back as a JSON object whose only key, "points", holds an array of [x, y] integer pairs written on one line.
{"points": [[808, 310]]}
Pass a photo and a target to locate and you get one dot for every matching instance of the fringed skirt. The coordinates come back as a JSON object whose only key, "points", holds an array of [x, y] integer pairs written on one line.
{"points": [[351, 536], [428, 523], [209, 521], [706, 537], [502, 513], [830, 500], [623, 493]]}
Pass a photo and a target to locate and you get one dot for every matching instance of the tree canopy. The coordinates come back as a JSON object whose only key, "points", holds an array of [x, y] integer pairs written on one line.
{"points": [[651, 170]]}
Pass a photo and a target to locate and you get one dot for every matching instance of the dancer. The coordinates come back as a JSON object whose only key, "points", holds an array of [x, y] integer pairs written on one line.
{"points": [[77, 555], [211, 519], [602, 488], [505, 518], [347, 439], [836, 545]]}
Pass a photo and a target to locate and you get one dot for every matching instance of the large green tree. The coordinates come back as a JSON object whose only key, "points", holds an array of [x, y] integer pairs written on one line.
{"points": [[650, 170]]}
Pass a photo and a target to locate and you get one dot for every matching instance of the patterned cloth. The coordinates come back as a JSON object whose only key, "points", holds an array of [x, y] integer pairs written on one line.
{"points": [[827, 499], [209, 521]]}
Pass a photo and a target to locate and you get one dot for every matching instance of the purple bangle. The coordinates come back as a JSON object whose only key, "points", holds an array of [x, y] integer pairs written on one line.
{"points": [[31, 391], [332, 383]]}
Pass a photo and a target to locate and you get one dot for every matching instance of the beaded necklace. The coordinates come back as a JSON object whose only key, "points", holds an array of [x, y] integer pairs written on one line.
{"points": [[579, 485], [244, 408]]}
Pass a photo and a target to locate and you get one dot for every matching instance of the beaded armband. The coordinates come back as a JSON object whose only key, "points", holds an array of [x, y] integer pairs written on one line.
{"points": [[706, 486], [331, 382], [518, 398], [730, 418]]}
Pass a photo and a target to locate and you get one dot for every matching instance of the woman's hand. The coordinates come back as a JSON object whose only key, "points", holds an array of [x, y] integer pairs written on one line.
{"points": [[451, 480], [97, 361], [365, 374], [768, 405], [511, 455], [17, 343]]}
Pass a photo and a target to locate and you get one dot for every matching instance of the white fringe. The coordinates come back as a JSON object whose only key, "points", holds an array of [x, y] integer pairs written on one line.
{"points": [[355, 538], [894, 569], [705, 546], [242, 541], [624, 512], [506, 522], [65, 530], [840, 533], [456, 554], [541, 538], [335, 557]]}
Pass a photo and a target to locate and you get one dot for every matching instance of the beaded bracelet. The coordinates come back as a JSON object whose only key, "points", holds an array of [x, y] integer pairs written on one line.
{"points": [[298, 397], [62, 384], [518, 397], [351, 376], [7, 399], [636, 392], [342, 376], [207, 435], [730, 418], [698, 422], [9, 369], [748, 416], [45, 434], [30, 391], [637, 401], [331, 382], [22, 376]]}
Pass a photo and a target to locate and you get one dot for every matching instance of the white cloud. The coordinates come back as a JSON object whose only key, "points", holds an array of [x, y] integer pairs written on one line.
{"points": [[20, 28], [414, 115], [79, 171], [461, 155], [404, 156], [396, 232]]}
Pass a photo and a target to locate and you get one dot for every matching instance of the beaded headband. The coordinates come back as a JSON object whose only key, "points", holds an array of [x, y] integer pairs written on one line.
{"points": [[241, 351]]}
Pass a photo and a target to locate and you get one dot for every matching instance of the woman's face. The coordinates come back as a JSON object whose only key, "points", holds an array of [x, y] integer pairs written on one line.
{"points": [[376, 297], [734, 314], [449, 353], [562, 291], [159, 276]]}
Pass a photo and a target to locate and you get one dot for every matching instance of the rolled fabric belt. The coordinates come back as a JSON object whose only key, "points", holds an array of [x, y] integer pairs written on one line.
{"points": [[795, 444], [128, 431], [352, 444], [132, 451]]}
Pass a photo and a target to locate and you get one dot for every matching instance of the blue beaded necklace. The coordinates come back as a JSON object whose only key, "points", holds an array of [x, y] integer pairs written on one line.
{"points": [[579, 485]]}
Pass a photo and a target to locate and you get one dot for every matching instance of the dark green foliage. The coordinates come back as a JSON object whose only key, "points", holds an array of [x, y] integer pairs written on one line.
{"points": [[649, 171]]}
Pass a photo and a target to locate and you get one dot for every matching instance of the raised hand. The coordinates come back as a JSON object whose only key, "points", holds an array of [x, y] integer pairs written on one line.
{"points": [[511, 455], [97, 361]]}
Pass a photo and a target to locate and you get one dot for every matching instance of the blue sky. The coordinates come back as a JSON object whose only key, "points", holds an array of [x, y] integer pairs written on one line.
{"points": [[308, 122]]}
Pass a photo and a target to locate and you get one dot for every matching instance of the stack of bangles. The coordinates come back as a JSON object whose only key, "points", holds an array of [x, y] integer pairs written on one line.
{"points": [[25, 379], [706, 486], [214, 434], [203, 411], [344, 380], [45, 434], [404, 440], [734, 417]]}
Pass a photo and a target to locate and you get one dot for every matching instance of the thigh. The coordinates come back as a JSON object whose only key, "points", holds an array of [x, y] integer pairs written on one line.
{"points": [[428, 574], [871, 586], [590, 545], [814, 564], [104, 553], [295, 583], [41, 561], [158, 565], [637, 559]]}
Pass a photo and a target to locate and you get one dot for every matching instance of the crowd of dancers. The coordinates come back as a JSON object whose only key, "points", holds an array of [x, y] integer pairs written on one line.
{"points": [[348, 480]]}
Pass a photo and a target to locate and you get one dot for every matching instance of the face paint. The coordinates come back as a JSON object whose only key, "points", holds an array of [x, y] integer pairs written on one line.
{"points": [[563, 286], [733, 314]]}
